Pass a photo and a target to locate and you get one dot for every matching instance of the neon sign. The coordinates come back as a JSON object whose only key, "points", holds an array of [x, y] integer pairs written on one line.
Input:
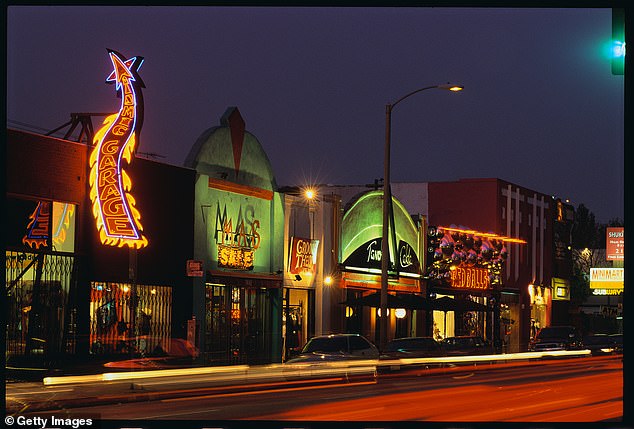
{"points": [[237, 246], [469, 277], [303, 255], [117, 219], [37, 229]]}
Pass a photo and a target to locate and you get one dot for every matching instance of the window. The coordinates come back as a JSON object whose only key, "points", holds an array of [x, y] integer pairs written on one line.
{"points": [[358, 343]]}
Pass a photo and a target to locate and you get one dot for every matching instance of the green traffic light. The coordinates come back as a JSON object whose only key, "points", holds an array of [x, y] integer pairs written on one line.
{"points": [[618, 41]]}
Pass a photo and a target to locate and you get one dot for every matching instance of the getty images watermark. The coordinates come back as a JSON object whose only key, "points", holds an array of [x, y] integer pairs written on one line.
{"points": [[49, 422]]}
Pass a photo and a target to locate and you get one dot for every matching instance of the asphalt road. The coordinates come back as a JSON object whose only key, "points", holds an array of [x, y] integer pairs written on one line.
{"points": [[571, 390]]}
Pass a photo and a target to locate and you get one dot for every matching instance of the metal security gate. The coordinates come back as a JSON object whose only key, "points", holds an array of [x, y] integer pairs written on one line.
{"points": [[129, 319], [40, 310], [238, 325]]}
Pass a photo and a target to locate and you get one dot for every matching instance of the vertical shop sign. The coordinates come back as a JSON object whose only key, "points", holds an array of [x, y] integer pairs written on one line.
{"points": [[38, 228], [615, 243], [117, 218]]}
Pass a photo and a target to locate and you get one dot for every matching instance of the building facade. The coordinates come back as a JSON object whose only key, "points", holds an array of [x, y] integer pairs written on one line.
{"points": [[68, 293], [238, 237], [509, 210]]}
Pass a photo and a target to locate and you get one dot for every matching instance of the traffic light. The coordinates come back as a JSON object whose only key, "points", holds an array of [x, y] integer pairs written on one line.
{"points": [[618, 41]]}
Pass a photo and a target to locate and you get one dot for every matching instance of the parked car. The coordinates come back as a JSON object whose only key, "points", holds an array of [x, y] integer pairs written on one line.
{"points": [[552, 338], [618, 343], [413, 347], [410, 347], [166, 354], [466, 346], [336, 347], [347, 356], [599, 344]]}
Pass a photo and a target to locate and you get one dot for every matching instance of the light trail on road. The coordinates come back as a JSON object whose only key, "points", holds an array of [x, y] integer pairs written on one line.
{"points": [[558, 390], [576, 399]]}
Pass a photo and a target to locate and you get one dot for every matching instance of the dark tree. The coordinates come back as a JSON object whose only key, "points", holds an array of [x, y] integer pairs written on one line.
{"points": [[588, 242]]}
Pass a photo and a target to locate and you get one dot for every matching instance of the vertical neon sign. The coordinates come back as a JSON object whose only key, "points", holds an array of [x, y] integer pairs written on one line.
{"points": [[38, 228], [117, 219]]}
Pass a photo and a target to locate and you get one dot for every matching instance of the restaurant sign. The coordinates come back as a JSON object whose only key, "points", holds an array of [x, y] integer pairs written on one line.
{"points": [[614, 243], [466, 277], [303, 255], [117, 218], [369, 255], [237, 235]]}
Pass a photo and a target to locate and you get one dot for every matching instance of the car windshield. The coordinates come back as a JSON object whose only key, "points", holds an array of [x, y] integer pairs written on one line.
{"points": [[555, 332], [617, 338], [596, 339], [412, 344], [326, 345]]}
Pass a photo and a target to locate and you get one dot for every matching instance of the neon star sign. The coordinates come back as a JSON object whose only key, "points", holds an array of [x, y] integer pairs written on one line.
{"points": [[117, 218]]}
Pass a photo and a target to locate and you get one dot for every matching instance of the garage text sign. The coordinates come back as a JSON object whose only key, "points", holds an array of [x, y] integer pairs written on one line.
{"points": [[117, 218]]}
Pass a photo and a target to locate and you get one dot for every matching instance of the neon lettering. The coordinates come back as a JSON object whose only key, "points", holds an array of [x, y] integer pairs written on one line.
{"points": [[118, 221]]}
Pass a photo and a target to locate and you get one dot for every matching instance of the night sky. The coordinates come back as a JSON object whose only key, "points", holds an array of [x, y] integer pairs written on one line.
{"points": [[540, 108]]}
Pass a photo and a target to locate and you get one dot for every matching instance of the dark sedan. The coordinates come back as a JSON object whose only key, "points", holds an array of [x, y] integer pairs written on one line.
{"points": [[618, 343], [413, 347], [600, 344], [390, 362], [466, 346]]}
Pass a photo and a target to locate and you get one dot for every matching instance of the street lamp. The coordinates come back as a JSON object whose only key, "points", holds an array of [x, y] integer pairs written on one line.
{"points": [[387, 204]]}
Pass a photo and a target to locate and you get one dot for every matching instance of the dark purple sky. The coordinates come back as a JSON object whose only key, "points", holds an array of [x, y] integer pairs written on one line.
{"points": [[540, 108]]}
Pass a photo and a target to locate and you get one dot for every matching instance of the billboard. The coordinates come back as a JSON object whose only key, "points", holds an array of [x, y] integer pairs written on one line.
{"points": [[614, 243]]}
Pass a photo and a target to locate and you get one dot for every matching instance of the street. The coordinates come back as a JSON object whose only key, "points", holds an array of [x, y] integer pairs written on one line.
{"points": [[587, 389]]}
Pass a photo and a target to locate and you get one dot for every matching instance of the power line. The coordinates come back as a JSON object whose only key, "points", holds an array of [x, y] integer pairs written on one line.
{"points": [[29, 127]]}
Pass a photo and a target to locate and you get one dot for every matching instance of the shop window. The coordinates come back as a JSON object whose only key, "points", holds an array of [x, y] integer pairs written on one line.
{"points": [[39, 317], [123, 321]]}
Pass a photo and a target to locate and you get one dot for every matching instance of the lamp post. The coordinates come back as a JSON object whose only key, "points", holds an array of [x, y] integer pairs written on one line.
{"points": [[387, 204]]}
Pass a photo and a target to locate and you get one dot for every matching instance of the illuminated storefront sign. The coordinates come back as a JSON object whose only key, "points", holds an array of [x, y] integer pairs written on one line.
{"points": [[362, 227], [237, 244], [561, 289], [606, 278], [38, 227], [451, 248], [60, 227], [615, 244], [539, 295], [303, 255], [117, 218], [465, 277]]}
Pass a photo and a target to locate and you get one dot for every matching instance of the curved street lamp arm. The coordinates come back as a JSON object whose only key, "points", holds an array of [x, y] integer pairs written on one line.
{"points": [[410, 94]]}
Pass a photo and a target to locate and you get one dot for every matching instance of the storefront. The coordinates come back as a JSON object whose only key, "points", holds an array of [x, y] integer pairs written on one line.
{"points": [[40, 275], [238, 235], [468, 266], [361, 256], [69, 294], [299, 294], [541, 307]]}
